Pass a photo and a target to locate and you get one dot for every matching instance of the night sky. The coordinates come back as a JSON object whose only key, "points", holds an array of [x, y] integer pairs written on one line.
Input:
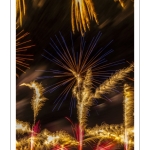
{"points": [[43, 20]]}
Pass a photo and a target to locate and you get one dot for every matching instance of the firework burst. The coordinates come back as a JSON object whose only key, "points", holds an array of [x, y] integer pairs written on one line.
{"points": [[122, 134], [21, 48], [82, 11], [20, 10], [74, 66]]}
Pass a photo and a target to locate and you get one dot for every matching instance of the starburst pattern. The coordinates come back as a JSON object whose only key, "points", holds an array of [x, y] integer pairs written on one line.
{"points": [[74, 66], [21, 47]]}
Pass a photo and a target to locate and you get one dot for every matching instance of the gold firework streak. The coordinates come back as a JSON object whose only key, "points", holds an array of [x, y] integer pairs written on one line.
{"points": [[106, 132], [123, 3], [22, 127], [128, 113], [108, 85], [21, 48], [82, 12], [20, 9], [82, 92], [38, 99], [114, 132]]}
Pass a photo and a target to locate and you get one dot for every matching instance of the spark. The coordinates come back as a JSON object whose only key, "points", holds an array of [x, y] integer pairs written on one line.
{"points": [[22, 127], [21, 47], [38, 99], [82, 11], [74, 66], [20, 9]]}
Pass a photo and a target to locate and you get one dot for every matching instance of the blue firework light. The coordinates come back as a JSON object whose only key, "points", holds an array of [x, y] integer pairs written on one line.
{"points": [[73, 63]]}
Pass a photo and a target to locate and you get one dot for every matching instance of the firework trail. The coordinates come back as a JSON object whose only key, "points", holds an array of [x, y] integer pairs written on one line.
{"points": [[84, 95], [128, 114], [38, 99], [74, 66], [107, 85], [82, 11], [21, 48], [106, 132], [121, 134], [20, 10]]}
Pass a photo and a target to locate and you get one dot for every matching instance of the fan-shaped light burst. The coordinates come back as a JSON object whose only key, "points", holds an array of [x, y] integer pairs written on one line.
{"points": [[75, 64], [21, 47], [82, 11], [38, 99], [20, 10], [22, 127]]}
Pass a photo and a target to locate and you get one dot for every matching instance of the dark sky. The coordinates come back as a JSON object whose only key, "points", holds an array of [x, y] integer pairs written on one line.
{"points": [[43, 20]]}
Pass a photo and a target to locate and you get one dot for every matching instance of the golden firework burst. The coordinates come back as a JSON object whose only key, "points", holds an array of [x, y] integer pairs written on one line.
{"points": [[21, 47]]}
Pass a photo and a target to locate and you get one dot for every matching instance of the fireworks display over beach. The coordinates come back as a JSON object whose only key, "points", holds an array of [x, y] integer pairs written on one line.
{"points": [[74, 75]]}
